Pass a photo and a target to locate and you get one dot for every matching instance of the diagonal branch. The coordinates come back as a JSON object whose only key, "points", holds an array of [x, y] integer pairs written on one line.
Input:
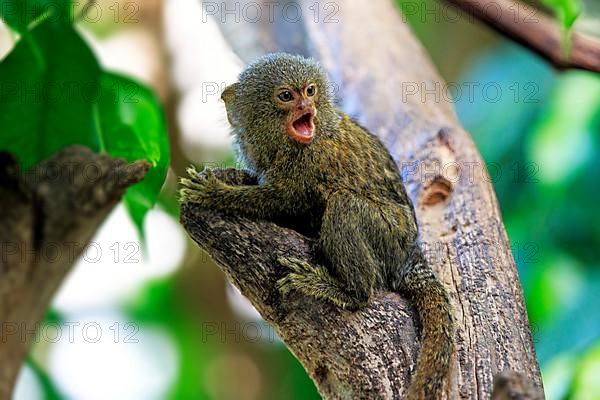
{"points": [[534, 30]]}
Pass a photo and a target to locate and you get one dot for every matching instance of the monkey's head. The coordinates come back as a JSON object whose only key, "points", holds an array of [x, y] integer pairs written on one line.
{"points": [[280, 102]]}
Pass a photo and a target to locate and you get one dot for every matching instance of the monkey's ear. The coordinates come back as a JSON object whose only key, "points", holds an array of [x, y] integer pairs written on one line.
{"points": [[229, 93], [227, 96]]}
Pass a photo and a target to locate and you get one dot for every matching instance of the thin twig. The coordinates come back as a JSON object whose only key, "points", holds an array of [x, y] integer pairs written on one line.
{"points": [[534, 30]]}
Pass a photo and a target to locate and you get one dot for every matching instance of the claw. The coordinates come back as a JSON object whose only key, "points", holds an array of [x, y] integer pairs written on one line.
{"points": [[191, 195], [185, 182], [291, 281], [296, 265], [192, 172], [284, 285], [193, 185]]}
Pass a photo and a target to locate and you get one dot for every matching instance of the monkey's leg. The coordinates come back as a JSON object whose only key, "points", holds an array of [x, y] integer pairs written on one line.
{"points": [[314, 281], [343, 242], [258, 201]]}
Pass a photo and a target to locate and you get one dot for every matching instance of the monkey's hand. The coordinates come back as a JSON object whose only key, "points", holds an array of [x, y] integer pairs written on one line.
{"points": [[229, 176], [314, 281], [207, 191], [202, 188]]}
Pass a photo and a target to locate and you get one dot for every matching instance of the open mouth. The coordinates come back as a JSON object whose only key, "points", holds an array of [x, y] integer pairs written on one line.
{"points": [[303, 128]]}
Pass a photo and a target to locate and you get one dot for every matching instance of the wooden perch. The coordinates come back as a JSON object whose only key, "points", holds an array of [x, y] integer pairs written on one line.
{"points": [[386, 80], [48, 216], [534, 30]]}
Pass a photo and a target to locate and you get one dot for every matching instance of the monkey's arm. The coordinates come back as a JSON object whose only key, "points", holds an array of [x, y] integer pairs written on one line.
{"points": [[256, 201]]}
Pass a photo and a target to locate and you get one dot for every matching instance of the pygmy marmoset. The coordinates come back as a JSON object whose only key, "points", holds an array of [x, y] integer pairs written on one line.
{"points": [[315, 164]]}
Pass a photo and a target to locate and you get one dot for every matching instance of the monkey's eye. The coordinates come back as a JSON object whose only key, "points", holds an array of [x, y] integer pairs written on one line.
{"points": [[311, 90], [285, 96]]}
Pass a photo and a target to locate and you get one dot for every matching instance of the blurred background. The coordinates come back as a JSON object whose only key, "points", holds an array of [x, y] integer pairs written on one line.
{"points": [[158, 321]]}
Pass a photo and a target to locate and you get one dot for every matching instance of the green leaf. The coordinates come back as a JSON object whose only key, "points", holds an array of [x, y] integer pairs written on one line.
{"points": [[19, 14], [48, 85], [51, 391], [53, 94], [132, 125], [566, 11]]}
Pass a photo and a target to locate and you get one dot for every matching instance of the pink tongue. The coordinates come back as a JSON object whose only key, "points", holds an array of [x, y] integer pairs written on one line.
{"points": [[303, 129]]}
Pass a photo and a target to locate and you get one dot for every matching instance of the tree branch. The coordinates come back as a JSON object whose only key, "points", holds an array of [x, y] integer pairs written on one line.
{"points": [[385, 80], [48, 216], [534, 30], [331, 344]]}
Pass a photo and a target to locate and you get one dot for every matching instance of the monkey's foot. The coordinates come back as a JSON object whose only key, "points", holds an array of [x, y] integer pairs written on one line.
{"points": [[314, 281]]}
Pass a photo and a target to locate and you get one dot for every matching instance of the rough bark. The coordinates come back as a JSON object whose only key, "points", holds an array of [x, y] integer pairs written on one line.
{"points": [[386, 80], [48, 216]]}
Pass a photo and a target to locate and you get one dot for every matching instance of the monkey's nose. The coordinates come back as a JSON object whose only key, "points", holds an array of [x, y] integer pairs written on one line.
{"points": [[303, 104]]}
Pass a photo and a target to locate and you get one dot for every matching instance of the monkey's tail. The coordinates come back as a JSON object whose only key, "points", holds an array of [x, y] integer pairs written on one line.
{"points": [[435, 313]]}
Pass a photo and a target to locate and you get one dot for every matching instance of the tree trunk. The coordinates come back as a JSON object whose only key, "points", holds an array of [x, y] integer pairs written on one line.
{"points": [[48, 216], [388, 83]]}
